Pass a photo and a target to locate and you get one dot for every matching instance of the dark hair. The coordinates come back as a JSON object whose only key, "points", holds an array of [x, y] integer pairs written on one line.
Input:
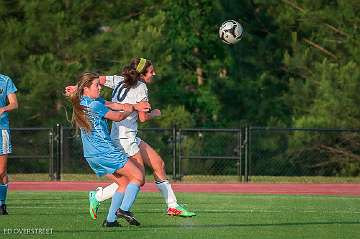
{"points": [[132, 73], [79, 116]]}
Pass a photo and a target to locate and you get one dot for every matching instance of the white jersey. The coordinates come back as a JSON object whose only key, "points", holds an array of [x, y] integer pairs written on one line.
{"points": [[123, 133]]}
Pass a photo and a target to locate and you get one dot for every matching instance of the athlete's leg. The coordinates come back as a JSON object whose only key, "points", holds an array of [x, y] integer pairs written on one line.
{"points": [[107, 192], [117, 197], [153, 159], [136, 179], [3, 169], [3, 183], [101, 194]]}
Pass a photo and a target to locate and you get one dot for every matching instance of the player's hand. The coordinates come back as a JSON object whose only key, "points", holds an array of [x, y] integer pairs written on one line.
{"points": [[102, 80], [128, 108], [143, 106], [155, 113], [70, 89]]}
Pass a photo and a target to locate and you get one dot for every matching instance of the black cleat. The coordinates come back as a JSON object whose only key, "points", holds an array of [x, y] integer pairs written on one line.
{"points": [[128, 216], [3, 210], [111, 224]]}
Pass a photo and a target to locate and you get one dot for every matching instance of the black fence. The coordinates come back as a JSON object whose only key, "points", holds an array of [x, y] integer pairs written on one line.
{"points": [[203, 154], [33, 151], [302, 152], [189, 154]]}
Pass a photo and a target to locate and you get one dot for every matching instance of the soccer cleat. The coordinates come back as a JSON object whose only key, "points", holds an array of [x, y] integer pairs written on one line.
{"points": [[128, 216], [111, 224], [94, 205], [180, 211], [3, 210]]}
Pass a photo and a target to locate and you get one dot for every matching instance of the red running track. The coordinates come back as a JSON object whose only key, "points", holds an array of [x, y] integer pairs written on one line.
{"points": [[244, 188]]}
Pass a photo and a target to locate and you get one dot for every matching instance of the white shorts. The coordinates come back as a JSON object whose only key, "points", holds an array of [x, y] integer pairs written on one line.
{"points": [[5, 144], [128, 142]]}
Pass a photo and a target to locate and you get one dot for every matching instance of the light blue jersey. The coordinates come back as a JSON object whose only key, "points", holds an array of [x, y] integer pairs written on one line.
{"points": [[6, 87], [99, 151]]}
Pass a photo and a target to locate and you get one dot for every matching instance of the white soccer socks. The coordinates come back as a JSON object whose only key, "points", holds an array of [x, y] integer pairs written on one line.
{"points": [[105, 193], [167, 192]]}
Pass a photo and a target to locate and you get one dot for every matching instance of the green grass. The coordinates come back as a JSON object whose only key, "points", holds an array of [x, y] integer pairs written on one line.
{"points": [[218, 216], [195, 178]]}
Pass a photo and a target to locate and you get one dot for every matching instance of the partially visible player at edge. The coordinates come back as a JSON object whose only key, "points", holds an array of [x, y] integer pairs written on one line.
{"points": [[8, 102], [90, 113], [131, 88]]}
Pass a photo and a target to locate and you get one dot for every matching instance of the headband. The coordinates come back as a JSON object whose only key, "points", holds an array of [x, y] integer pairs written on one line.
{"points": [[141, 65]]}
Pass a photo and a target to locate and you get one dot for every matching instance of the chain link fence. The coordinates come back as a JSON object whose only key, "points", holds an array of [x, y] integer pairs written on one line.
{"points": [[209, 155], [201, 155], [303, 152], [33, 151]]}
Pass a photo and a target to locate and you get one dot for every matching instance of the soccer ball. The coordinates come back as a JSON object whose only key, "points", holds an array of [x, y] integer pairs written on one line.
{"points": [[231, 32]]}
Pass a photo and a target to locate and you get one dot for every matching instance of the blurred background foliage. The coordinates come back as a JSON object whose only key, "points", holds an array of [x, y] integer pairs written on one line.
{"points": [[296, 66]]}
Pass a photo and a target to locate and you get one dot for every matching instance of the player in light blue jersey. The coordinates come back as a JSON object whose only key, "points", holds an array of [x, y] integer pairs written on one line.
{"points": [[90, 113], [8, 102]]}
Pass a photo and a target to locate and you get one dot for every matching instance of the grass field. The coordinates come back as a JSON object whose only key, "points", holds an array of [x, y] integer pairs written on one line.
{"points": [[219, 216]]}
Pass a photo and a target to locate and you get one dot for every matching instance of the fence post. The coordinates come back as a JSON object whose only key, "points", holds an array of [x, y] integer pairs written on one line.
{"points": [[246, 142], [179, 153], [174, 143], [240, 155], [249, 153], [51, 156], [59, 153]]}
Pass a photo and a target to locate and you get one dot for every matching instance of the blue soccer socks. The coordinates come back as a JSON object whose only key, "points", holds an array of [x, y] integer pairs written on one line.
{"points": [[3, 192], [115, 204], [131, 192]]}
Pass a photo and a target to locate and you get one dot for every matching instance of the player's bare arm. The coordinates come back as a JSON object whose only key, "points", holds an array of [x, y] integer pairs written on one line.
{"points": [[116, 115], [141, 106], [145, 116], [13, 104]]}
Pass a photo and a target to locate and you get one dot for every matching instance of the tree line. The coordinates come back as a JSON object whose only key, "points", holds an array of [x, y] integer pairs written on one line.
{"points": [[296, 66]]}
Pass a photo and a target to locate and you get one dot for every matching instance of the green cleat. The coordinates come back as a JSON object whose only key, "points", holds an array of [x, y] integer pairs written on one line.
{"points": [[94, 205], [180, 211]]}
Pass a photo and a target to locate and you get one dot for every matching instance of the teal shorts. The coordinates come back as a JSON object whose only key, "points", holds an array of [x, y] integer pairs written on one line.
{"points": [[107, 163]]}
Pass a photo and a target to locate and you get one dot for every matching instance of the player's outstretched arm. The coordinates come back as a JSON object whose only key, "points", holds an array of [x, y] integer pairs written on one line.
{"points": [[145, 116], [141, 106], [116, 115], [119, 106]]}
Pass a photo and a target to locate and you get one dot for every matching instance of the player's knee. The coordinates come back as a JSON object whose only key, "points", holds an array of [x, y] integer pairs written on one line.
{"points": [[138, 178], [3, 174], [142, 182], [122, 187]]}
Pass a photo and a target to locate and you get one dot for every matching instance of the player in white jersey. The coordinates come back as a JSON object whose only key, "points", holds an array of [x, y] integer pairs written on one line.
{"points": [[131, 88], [124, 133]]}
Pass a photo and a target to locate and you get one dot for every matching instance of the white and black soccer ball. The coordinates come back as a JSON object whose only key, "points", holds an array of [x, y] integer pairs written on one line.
{"points": [[231, 32]]}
